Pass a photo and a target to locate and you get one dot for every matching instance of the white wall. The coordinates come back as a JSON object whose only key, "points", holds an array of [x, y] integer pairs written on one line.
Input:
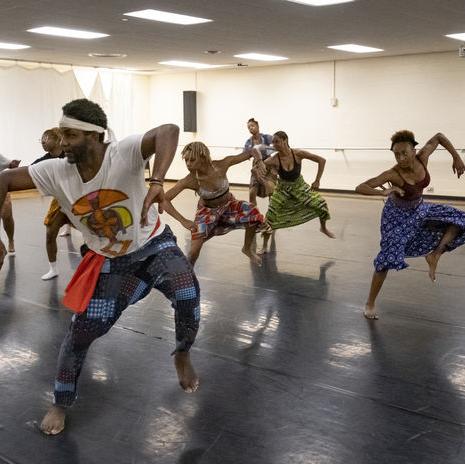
{"points": [[377, 96], [31, 99]]}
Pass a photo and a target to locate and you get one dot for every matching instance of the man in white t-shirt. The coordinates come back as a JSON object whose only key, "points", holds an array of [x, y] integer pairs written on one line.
{"points": [[101, 188]]}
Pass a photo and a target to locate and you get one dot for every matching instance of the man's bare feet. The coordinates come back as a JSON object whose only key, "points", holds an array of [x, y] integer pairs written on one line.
{"points": [[54, 421], [188, 379], [257, 260], [432, 260], [370, 312], [327, 232]]}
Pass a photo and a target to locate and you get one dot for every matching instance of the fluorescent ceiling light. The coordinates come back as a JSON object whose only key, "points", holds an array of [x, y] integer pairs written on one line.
{"points": [[320, 2], [12, 46], [189, 64], [63, 32], [457, 36], [260, 57], [166, 17], [353, 48]]}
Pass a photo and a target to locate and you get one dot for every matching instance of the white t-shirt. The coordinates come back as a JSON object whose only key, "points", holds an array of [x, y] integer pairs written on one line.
{"points": [[106, 209]]}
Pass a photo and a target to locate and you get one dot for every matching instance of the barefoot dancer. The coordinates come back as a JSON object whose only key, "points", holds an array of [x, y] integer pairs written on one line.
{"points": [[6, 213], [107, 282], [411, 227], [218, 211], [294, 202], [54, 218], [261, 185]]}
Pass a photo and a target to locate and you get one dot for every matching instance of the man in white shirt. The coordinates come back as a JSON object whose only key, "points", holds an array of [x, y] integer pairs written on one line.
{"points": [[6, 212], [101, 188]]}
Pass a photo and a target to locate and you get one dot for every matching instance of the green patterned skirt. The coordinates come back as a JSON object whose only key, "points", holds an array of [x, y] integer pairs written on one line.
{"points": [[294, 203]]}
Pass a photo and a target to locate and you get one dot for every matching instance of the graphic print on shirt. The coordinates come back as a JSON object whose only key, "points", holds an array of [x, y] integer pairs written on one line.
{"points": [[105, 219]]}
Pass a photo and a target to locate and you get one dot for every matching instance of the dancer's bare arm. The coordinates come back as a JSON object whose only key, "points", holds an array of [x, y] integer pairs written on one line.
{"points": [[187, 183], [302, 154], [163, 141], [369, 187], [11, 181], [458, 167], [229, 161]]}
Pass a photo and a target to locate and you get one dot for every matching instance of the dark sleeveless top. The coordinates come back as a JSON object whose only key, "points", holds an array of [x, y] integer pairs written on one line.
{"points": [[414, 191], [291, 175]]}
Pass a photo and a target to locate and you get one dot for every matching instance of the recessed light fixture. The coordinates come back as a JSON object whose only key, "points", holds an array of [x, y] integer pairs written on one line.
{"points": [[460, 36], [12, 46], [63, 32], [107, 55], [320, 2], [166, 17], [354, 48], [260, 57], [189, 64]]}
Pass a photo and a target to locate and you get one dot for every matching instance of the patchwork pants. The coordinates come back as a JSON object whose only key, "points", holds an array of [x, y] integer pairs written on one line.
{"points": [[123, 281]]}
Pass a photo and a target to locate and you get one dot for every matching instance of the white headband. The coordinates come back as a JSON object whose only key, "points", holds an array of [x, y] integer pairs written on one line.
{"points": [[72, 123]]}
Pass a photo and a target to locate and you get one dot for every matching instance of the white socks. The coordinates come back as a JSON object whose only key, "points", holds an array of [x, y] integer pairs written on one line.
{"points": [[65, 230], [53, 272]]}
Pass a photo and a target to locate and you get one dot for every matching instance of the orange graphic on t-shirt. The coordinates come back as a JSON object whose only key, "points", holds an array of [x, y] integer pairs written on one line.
{"points": [[105, 219]]}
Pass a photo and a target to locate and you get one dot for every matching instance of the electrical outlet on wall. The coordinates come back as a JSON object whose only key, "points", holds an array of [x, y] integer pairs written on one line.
{"points": [[430, 189]]}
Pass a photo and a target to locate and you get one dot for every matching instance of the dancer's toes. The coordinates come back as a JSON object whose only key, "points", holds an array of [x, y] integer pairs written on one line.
{"points": [[54, 421], [188, 379], [327, 232], [370, 312], [432, 260], [254, 257]]}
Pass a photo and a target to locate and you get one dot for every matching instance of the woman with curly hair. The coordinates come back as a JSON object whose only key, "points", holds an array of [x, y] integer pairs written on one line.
{"points": [[411, 227], [218, 211]]}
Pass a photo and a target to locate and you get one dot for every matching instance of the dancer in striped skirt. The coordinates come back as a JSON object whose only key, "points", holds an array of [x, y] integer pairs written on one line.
{"points": [[293, 202]]}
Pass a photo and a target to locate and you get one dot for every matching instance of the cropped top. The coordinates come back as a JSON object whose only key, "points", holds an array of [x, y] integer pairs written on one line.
{"points": [[291, 175], [414, 191], [214, 194]]}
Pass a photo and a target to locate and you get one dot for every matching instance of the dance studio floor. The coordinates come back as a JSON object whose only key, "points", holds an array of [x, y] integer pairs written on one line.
{"points": [[290, 370]]}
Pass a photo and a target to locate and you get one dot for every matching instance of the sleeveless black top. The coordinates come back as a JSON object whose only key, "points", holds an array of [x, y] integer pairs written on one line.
{"points": [[291, 175]]}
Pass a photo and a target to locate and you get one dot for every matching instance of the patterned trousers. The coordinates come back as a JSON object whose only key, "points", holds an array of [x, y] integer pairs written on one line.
{"points": [[123, 281]]}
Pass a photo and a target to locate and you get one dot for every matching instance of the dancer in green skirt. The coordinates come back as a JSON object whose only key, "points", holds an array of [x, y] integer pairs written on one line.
{"points": [[293, 202]]}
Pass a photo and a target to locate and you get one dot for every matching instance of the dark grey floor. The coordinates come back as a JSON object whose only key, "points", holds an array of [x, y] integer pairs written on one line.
{"points": [[290, 371]]}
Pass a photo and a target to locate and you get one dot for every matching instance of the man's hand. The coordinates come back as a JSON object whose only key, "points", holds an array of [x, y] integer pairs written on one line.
{"points": [[316, 185], [154, 195], [14, 164], [458, 167]]}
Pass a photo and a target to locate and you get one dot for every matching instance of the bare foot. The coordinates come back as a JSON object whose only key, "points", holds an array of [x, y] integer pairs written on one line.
{"points": [[432, 260], [370, 312], [257, 260], [54, 421], [188, 379], [327, 232], [3, 253]]}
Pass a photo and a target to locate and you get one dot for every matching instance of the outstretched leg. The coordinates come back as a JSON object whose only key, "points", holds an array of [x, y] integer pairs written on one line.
{"points": [[83, 330], [52, 229], [266, 238], [248, 242], [9, 224], [325, 230], [196, 246], [433, 258], [376, 284]]}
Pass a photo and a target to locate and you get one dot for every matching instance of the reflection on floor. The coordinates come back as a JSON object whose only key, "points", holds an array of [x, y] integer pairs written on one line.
{"points": [[290, 371]]}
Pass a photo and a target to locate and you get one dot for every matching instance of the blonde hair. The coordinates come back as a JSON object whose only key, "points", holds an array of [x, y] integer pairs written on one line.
{"points": [[197, 150]]}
